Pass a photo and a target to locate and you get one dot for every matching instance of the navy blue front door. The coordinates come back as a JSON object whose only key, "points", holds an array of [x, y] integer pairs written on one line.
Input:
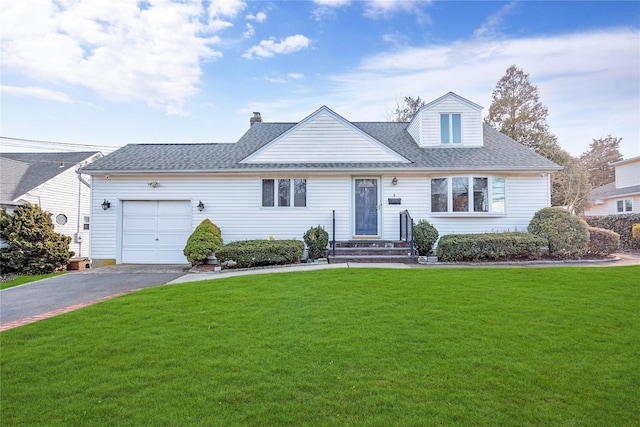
{"points": [[366, 195]]}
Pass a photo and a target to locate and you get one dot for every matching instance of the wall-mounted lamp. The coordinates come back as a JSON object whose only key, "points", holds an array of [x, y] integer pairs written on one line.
{"points": [[200, 206], [154, 184], [106, 205], [394, 181]]}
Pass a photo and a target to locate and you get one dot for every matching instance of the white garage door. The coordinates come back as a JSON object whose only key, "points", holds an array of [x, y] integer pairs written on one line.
{"points": [[155, 232]]}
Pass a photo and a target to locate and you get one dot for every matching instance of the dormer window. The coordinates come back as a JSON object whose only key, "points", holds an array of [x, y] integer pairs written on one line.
{"points": [[451, 128]]}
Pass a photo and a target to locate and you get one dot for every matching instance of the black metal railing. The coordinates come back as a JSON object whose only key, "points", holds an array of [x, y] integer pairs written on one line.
{"points": [[333, 235], [406, 230]]}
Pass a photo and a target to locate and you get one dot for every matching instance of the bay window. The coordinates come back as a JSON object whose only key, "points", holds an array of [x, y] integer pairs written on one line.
{"points": [[470, 194]]}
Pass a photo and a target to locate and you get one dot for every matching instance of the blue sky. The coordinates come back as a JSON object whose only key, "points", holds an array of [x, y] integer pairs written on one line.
{"points": [[111, 72]]}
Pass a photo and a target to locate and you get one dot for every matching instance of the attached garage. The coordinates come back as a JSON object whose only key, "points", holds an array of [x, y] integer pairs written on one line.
{"points": [[155, 231]]}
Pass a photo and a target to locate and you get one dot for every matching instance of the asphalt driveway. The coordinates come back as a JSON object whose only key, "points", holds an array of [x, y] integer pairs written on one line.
{"points": [[44, 298]]}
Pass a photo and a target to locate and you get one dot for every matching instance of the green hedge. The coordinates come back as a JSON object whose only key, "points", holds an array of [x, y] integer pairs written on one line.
{"points": [[255, 253], [490, 247], [603, 242], [621, 224], [204, 241]]}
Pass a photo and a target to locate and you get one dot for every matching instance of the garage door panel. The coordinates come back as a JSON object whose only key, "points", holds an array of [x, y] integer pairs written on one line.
{"points": [[155, 232]]}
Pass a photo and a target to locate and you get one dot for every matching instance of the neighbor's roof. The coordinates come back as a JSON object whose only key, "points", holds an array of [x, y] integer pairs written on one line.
{"points": [[609, 191], [22, 172], [498, 153]]}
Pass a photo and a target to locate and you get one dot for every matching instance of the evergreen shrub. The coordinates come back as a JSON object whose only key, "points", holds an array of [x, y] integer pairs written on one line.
{"points": [[33, 247], [490, 247], [603, 242], [255, 253], [567, 234], [316, 239], [424, 237], [205, 240], [620, 223]]}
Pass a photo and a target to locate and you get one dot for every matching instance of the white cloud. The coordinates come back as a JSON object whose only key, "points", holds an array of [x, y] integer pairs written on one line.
{"points": [[384, 8], [332, 3], [269, 48], [295, 76], [249, 32], [258, 17], [121, 49], [588, 81], [490, 27], [37, 92]]}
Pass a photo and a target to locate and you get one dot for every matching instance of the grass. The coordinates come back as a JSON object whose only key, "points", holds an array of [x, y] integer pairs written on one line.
{"points": [[364, 347], [21, 280]]}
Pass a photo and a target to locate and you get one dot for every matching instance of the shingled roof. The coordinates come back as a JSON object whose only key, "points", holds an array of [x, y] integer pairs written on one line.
{"points": [[22, 172], [498, 153]]}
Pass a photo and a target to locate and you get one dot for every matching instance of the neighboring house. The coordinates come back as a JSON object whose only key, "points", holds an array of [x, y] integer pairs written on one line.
{"points": [[621, 196], [280, 179], [50, 181]]}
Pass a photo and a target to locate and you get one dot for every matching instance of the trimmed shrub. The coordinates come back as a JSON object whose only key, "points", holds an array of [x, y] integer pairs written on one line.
{"points": [[424, 236], [635, 232], [255, 253], [205, 240], [621, 224], [566, 233], [603, 242], [490, 247], [316, 239], [33, 247]]}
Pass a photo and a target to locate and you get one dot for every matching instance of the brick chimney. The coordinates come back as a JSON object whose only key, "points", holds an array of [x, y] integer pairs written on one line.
{"points": [[255, 119]]}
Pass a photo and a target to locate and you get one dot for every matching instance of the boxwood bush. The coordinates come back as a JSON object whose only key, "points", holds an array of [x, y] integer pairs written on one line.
{"points": [[424, 236], [490, 247], [603, 242], [566, 233], [316, 239], [255, 253]]}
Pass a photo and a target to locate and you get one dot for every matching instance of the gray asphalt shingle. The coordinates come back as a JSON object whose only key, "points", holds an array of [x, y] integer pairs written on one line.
{"points": [[498, 153]]}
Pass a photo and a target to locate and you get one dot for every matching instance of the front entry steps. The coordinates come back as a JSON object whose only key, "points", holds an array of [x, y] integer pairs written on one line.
{"points": [[372, 251]]}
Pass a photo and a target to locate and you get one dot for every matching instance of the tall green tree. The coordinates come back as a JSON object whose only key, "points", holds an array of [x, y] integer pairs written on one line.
{"points": [[602, 152], [33, 247], [405, 111], [516, 111]]}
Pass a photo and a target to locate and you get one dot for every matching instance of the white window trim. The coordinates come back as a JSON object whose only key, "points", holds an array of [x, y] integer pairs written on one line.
{"points": [[451, 143], [470, 212], [623, 211], [291, 193]]}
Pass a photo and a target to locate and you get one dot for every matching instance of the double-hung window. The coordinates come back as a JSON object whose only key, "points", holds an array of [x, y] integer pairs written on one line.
{"points": [[284, 192], [450, 128], [624, 206], [470, 194]]}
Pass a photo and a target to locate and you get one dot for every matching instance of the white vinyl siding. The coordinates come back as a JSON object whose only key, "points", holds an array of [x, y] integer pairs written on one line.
{"points": [[425, 128], [628, 174], [324, 138], [233, 203], [60, 195]]}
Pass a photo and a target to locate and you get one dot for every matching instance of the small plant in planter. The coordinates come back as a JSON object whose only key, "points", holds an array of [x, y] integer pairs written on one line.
{"points": [[204, 241], [316, 239]]}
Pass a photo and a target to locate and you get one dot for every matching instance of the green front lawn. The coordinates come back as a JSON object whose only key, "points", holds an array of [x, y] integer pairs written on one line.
{"points": [[21, 280], [372, 347]]}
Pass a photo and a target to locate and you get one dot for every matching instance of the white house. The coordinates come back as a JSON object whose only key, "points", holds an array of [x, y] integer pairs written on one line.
{"points": [[621, 196], [280, 179], [51, 181]]}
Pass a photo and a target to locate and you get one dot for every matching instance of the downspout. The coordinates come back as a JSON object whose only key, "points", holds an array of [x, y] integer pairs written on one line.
{"points": [[80, 182]]}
